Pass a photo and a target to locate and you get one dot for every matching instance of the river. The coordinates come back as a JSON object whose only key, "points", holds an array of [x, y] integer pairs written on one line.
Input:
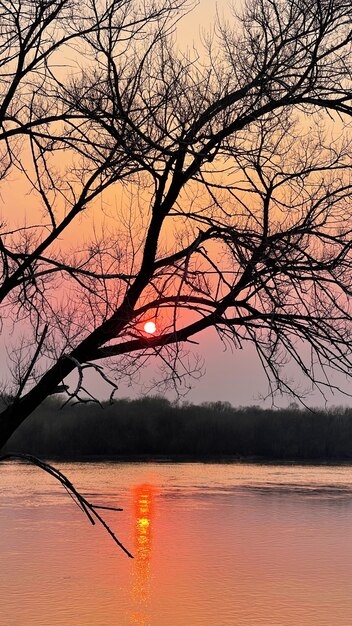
{"points": [[214, 545]]}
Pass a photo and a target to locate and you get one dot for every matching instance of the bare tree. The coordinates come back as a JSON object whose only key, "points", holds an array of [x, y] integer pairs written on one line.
{"points": [[230, 169]]}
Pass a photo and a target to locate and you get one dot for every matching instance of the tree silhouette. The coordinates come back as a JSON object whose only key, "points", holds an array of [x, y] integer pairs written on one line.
{"points": [[220, 181]]}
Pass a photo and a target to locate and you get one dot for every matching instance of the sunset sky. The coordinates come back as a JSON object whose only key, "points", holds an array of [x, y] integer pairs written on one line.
{"points": [[233, 375]]}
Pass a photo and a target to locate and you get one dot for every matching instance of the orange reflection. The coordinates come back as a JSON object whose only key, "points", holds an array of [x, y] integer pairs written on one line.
{"points": [[143, 502]]}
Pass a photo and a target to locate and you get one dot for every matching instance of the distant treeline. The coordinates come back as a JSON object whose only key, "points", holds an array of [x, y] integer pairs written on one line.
{"points": [[155, 427]]}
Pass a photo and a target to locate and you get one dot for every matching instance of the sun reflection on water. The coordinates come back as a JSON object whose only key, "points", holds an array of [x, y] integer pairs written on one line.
{"points": [[143, 502]]}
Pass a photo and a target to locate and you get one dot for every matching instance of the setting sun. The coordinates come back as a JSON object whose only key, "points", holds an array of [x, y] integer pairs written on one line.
{"points": [[150, 328]]}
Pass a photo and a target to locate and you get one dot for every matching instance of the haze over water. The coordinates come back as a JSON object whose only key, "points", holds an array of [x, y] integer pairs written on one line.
{"points": [[214, 544]]}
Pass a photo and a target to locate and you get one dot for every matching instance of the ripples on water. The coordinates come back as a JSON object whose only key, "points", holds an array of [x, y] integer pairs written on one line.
{"points": [[214, 544]]}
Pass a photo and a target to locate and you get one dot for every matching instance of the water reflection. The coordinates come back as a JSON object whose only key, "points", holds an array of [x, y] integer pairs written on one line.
{"points": [[214, 545], [143, 505]]}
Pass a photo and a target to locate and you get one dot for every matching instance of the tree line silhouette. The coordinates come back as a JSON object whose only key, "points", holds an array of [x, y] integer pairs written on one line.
{"points": [[154, 427]]}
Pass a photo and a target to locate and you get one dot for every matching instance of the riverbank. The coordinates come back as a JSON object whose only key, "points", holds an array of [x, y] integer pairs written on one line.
{"points": [[153, 428]]}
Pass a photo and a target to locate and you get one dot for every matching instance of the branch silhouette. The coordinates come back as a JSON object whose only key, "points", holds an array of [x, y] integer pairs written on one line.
{"points": [[88, 508]]}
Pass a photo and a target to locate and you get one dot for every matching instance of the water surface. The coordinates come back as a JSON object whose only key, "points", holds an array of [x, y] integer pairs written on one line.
{"points": [[214, 544]]}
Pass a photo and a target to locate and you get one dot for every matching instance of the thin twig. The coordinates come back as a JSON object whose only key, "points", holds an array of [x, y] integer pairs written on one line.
{"points": [[87, 507]]}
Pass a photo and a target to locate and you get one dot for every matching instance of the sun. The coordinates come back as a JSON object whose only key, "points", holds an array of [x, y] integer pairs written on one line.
{"points": [[150, 328]]}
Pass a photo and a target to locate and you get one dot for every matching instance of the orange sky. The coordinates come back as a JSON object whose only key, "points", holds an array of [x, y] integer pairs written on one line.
{"points": [[236, 377]]}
